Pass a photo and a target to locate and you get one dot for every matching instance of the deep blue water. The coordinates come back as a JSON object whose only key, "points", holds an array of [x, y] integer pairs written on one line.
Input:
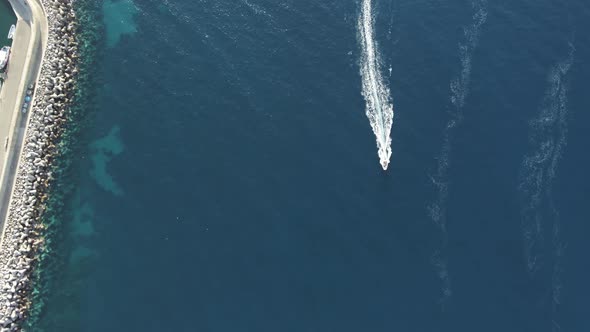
{"points": [[232, 183]]}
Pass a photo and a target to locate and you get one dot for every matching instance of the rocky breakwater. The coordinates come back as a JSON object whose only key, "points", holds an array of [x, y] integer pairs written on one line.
{"points": [[23, 232]]}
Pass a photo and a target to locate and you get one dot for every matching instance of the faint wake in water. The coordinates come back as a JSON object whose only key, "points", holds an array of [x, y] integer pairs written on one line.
{"points": [[460, 85], [378, 101], [548, 138], [459, 89]]}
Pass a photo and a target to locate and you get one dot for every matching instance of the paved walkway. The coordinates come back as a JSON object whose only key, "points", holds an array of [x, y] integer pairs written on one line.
{"points": [[29, 41]]}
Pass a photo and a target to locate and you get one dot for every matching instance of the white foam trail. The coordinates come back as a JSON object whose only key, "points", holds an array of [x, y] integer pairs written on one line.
{"points": [[548, 138], [379, 107], [460, 85], [258, 10], [459, 89]]}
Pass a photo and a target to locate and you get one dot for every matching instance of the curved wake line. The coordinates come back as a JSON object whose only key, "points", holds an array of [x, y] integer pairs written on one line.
{"points": [[548, 137], [459, 87], [379, 107], [538, 169]]}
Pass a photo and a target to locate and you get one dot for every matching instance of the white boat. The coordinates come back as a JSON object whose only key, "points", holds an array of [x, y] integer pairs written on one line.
{"points": [[4, 54], [11, 31]]}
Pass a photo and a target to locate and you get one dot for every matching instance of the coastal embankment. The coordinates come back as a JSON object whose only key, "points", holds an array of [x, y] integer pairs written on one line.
{"points": [[22, 234], [30, 39]]}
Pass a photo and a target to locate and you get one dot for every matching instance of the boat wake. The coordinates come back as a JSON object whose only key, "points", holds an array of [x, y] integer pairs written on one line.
{"points": [[379, 107], [548, 137], [460, 85], [459, 89], [539, 216]]}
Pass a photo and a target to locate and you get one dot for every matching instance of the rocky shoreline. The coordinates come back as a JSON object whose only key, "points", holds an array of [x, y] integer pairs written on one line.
{"points": [[23, 233]]}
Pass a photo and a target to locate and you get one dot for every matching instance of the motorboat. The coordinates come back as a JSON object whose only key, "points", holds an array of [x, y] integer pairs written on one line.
{"points": [[4, 54], [11, 31]]}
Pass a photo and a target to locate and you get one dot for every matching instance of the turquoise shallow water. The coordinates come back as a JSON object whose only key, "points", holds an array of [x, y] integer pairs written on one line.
{"points": [[223, 175]]}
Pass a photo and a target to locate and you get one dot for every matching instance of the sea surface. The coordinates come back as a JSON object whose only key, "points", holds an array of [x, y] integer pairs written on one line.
{"points": [[223, 175], [7, 18]]}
